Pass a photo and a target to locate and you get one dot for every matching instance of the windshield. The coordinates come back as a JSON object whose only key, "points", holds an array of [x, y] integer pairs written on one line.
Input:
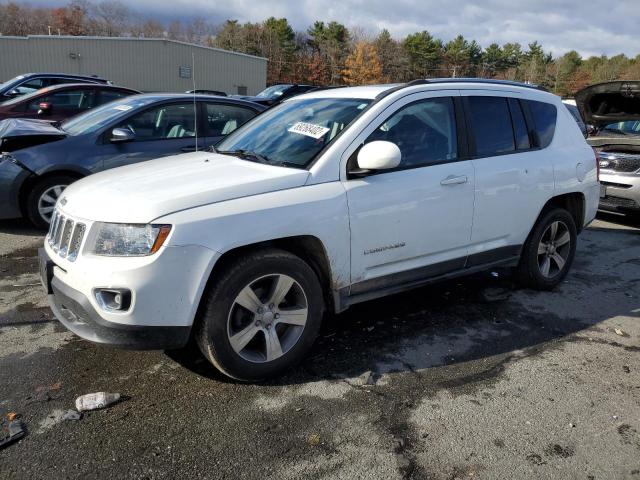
{"points": [[294, 132], [11, 82], [273, 91], [23, 98], [630, 127], [102, 116]]}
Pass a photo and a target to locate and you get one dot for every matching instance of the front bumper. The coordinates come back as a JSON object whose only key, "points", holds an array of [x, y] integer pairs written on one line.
{"points": [[11, 179], [622, 192], [74, 310], [164, 296]]}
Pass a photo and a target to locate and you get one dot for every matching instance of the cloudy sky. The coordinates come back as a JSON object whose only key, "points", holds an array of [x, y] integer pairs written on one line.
{"points": [[609, 28]]}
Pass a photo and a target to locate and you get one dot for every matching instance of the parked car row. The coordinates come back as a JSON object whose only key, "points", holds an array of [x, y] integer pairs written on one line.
{"points": [[43, 153], [41, 159], [323, 201]]}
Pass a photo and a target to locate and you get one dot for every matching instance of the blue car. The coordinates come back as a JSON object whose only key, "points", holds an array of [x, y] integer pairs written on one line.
{"points": [[40, 159]]}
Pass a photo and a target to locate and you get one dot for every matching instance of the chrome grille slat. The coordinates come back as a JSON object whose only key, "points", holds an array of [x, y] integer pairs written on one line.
{"points": [[54, 228], [58, 235], [76, 240], [65, 236]]}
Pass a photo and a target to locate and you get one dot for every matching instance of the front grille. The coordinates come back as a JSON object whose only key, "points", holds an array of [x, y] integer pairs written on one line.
{"points": [[620, 162], [65, 236]]}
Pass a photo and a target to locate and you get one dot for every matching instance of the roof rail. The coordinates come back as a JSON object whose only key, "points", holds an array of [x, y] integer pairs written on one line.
{"points": [[429, 81], [488, 81]]}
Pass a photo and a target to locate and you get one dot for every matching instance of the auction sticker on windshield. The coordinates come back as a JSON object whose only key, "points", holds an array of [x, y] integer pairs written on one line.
{"points": [[309, 129]]}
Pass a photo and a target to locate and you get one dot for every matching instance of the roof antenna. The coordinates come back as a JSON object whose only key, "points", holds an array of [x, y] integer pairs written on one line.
{"points": [[195, 109]]}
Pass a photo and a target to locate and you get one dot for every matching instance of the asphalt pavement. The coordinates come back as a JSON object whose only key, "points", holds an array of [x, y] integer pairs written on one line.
{"points": [[472, 378]]}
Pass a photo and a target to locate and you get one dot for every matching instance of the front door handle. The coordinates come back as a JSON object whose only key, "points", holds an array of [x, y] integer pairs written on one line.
{"points": [[454, 180]]}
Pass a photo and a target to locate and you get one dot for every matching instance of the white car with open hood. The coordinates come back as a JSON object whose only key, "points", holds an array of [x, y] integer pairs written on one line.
{"points": [[329, 199]]}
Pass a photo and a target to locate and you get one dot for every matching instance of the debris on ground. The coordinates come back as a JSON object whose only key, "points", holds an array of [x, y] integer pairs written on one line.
{"points": [[96, 401], [71, 415], [11, 429], [495, 294], [313, 439], [619, 332]]}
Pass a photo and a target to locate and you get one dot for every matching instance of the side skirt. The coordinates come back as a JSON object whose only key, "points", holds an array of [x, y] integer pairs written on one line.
{"points": [[389, 284]]}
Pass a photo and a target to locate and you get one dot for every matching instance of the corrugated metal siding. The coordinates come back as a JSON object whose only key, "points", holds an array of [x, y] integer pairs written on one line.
{"points": [[144, 64]]}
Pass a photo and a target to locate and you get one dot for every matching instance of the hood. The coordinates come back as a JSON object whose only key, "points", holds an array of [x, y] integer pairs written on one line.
{"points": [[143, 192], [17, 133], [609, 102]]}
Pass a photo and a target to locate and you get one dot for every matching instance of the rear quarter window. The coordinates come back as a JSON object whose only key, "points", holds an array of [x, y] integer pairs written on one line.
{"points": [[492, 130], [544, 118]]}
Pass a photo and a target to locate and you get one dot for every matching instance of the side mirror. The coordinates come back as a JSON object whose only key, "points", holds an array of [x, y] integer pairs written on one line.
{"points": [[121, 135], [591, 129], [378, 155], [44, 108], [13, 93]]}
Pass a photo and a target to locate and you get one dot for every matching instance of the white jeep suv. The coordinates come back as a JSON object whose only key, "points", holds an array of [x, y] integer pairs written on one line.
{"points": [[331, 198]]}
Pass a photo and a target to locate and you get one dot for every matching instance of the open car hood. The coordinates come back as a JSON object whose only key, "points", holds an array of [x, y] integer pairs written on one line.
{"points": [[17, 133], [610, 102]]}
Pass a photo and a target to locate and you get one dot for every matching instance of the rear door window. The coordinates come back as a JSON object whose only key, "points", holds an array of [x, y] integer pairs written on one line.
{"points": [[544, 117], [492, 130], [223, 119]]}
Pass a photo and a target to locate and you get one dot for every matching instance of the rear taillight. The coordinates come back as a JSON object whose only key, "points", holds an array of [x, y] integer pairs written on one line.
{"points": [[597, 158]]}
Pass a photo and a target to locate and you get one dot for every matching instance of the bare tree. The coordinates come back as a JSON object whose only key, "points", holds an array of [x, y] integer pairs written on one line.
{"points": [[111, 18]]}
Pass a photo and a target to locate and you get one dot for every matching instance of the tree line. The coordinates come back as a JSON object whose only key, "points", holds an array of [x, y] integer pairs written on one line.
{"points": [[329, 53]]}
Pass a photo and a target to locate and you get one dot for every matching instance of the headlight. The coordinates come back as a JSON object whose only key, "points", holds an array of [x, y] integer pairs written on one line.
{"points": [[129, 240]]}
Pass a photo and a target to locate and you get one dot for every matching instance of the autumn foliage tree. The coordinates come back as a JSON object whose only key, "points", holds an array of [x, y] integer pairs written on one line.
{"points": [[362, 66]]}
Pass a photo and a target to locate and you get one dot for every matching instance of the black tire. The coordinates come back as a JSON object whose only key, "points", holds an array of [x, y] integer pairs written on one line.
{"points": [[212, 327], [33, 197], [529, 271]]}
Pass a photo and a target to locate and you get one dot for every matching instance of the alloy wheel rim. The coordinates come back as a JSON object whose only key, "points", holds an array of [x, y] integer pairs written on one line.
{"points": [[267, 318], [47, 201], [553, 249]]}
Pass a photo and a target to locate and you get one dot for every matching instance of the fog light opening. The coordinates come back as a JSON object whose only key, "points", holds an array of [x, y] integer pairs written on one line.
{"points": [[114, 299]]}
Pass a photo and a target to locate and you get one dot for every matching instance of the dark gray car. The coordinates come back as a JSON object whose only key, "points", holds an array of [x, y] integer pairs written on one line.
{"points": [[40, 159]]}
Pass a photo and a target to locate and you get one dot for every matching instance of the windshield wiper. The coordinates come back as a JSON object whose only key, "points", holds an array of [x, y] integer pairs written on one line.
{"points": [[256, 157], [287, 164], [247, 155]]}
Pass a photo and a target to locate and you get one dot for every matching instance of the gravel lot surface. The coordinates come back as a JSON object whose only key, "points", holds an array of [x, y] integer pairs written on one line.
{"points": [[468, 379]]}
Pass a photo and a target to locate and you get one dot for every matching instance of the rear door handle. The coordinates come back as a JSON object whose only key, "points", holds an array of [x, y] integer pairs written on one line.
{"points": [[454, 180]]}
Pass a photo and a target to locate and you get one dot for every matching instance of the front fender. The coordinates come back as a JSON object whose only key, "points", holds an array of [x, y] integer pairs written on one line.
{"points": [[318, 211]]}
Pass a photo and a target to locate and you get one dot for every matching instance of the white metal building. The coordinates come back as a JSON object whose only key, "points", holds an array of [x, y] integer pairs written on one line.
{"points": [[142, 63]]}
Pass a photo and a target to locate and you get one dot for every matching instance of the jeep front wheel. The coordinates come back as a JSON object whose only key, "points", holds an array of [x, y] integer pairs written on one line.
{"points": [[261, 316]]}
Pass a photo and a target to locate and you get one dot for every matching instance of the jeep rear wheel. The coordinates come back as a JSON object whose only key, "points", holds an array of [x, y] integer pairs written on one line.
{"points": [[549, 251], [261, 315]]}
